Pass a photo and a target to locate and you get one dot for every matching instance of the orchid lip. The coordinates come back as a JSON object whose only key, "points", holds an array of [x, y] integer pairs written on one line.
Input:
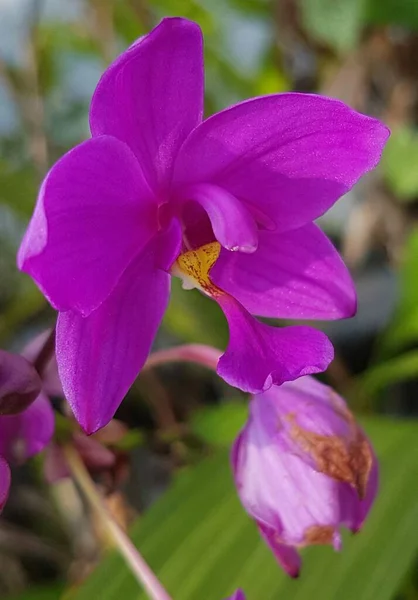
{"points": [[194, 266]]}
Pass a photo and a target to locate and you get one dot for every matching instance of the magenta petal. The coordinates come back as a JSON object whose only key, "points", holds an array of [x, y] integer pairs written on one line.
{"points": [[294, 275], [93, 214], [151, 97], [287, 556], [100, 356], [4, 482], [290, 156], [232, 223], [259, 356], [26, 434]]}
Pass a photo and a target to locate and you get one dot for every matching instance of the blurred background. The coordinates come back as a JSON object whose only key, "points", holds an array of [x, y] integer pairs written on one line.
{"points": [[172, 476]]}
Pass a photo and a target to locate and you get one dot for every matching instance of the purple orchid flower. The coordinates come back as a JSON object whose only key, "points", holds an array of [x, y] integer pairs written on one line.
{"points": [[303, 468], [26, 415], [227, 203]]}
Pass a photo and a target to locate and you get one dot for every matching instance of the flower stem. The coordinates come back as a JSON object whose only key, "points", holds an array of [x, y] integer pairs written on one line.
{"points": [[195, 353], [133, 558]]}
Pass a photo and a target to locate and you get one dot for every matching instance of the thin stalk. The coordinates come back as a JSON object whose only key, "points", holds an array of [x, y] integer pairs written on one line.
{"points": [[133, 558], [194, 353]]}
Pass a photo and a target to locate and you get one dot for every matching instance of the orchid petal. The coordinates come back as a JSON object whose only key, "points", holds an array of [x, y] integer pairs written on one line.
{"points": [[287, 556], [354, 510], [295, 274], [4, 482], [93, 215], [26, 434], [151, 97], [100, 356], [289, 157], [233, 225], [259, 356]]}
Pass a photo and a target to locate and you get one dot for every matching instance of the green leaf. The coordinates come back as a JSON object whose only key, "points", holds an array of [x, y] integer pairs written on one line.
{"points": [[399, 164], [202, 545], [337, 23], [218, 425], [396, 12], [52, 592], [403, 329], [391, 371]]}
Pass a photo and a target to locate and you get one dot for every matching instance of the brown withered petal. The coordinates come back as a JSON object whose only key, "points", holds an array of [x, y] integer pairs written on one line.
{"points": [[348, 461], [319, 534], [20, 384]]}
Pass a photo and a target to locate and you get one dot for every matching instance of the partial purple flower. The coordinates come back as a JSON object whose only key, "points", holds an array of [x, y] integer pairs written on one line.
{"points": [[227, 203], [26, 416], [4, 482], [20, 384], [24, 435], [303, 468], [238, 595]]}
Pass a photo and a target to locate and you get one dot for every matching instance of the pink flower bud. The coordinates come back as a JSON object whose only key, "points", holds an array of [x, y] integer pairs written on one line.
{"points": [[303, 467]]}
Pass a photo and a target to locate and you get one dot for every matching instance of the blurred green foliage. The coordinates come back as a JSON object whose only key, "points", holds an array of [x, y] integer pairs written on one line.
{"points": [[395, 358], [399, 164]]}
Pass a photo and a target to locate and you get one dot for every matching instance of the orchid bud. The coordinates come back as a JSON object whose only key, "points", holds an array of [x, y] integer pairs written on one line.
{"points": [[20, 384], [303, 467]]}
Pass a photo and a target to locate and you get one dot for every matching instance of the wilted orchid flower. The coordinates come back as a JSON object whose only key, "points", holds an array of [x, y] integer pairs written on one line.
{"points": [[227, 203], [303, 468]]}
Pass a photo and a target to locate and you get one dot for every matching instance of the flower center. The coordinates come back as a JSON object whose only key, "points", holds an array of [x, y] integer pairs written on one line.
{"points": [[194, 266]]}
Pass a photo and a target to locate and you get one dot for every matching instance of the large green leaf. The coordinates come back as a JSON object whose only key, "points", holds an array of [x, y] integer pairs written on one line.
{"points": [[202, 545]]}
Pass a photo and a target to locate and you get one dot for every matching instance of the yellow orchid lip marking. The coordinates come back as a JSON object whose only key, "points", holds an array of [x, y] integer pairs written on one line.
{"points": [[194, 266]]}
